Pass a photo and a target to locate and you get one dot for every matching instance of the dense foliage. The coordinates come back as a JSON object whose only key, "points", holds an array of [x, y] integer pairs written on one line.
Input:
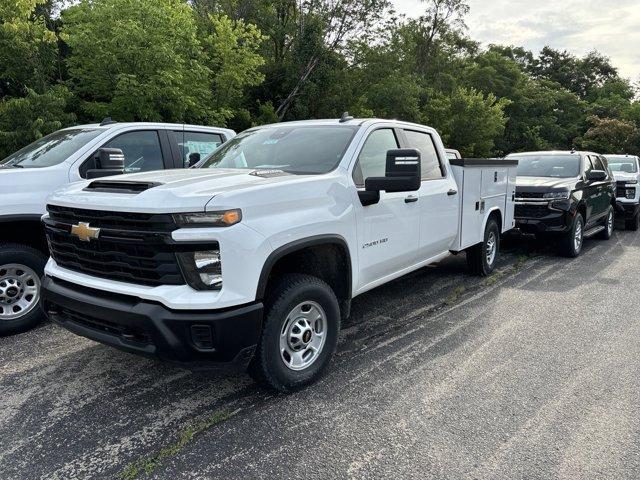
{"points": [[245, 62]]}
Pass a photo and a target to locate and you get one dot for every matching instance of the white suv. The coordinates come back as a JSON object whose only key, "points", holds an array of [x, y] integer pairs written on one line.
{"points": [[626, 171], [29, 175]]}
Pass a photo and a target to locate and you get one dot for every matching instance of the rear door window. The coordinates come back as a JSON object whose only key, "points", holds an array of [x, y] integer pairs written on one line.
{"points": [[431, 166], [195, 146]]}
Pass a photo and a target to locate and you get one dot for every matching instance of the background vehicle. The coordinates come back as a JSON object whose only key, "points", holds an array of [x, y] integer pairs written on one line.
{"points": [[257, 254], [69, 155], [566, 194], [626, 172]]}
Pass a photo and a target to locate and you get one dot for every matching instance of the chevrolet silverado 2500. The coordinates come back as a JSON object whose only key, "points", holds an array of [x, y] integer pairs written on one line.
{"points": [[29, 175], [253, 258]]}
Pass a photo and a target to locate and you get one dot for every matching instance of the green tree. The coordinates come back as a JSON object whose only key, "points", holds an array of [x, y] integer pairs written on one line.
{"points": [[28, 49], [467, 120], [23, 120], [610, 135]]}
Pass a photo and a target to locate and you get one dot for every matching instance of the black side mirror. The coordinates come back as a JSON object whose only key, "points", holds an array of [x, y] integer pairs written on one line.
{"points": [[402, 173], [109, 161], [596, 175], [193, 159]]}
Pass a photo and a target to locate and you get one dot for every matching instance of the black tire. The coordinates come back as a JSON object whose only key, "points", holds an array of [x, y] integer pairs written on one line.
{"points": [[268, 366], [14, 254], [566, 244], [633, 224], [609, 223], [477, 256]]}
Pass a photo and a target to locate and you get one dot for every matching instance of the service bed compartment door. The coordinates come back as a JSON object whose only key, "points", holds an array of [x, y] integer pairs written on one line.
{"points": [[472, 206]]}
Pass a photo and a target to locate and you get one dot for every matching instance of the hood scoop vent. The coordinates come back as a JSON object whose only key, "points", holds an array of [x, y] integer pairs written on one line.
{"points": [[268, 173], [115, 186]]}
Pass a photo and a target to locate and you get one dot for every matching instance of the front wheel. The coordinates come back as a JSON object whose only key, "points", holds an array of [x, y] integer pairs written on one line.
{"points": [[609, 221], [571, 242], [299, 335], [482, 258], [21, 268]]}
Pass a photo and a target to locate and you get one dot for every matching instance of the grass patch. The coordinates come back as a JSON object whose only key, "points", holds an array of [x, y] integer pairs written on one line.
{"points": [[455, 295], [148, 464]]}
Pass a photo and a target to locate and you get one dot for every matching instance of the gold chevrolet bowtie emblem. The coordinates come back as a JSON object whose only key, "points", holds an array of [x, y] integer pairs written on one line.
{"points": [[84, 232]]}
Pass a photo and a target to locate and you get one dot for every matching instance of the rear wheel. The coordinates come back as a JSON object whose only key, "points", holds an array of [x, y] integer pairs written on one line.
{"points": [[571, 242], [21, 268], [609, 222], [633, 223], [299, 335], [482, 258]]}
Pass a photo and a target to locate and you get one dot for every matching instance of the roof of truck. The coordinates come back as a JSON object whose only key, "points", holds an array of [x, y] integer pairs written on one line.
{"points": [[337, 121], [109, 126]]}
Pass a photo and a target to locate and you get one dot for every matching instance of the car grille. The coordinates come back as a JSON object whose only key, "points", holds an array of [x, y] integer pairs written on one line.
{"points": [[114, 220], [531, 211], [136, 255], [529, 195]]}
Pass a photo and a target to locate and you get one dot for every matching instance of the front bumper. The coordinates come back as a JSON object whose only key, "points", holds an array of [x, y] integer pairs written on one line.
{"points": [[197, 339]]}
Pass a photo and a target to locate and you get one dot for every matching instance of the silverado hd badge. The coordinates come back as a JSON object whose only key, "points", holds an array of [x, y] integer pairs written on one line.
{"points": [[85, 232]]}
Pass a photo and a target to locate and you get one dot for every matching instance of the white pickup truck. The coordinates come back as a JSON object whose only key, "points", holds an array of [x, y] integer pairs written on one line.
{"points": [[29, 175], [253, 259]]}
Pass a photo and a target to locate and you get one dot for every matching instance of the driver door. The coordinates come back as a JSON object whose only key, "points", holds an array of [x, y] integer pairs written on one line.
{"points": [[388, 231]]}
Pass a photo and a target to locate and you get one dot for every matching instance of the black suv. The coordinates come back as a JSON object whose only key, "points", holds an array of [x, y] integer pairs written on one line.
{"points": [[569, 195]]}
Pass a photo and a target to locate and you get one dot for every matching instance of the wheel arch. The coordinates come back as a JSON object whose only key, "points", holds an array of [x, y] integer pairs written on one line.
{"points": [[24, 229], [305, 256]]}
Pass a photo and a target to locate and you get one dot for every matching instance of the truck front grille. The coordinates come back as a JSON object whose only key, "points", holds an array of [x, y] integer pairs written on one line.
{"points": [[532, 211], [529, 195], [134, 255]]}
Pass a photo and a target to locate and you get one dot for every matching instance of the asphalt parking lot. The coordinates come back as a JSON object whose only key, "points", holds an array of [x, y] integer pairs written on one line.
{"points": [[532, 373]]}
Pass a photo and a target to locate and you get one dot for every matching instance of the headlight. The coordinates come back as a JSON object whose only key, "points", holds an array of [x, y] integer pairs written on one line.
{"points": [[556, 195], [202, 270], [632, 182], [209, 219]]}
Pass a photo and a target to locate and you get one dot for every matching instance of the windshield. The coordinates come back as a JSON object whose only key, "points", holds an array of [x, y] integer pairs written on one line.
{"points": [[558, 166], [50, 150], [306, 149], [622, 164]]}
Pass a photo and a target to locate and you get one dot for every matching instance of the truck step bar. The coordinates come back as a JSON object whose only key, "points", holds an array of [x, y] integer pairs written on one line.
{"points": [[593, 231]]}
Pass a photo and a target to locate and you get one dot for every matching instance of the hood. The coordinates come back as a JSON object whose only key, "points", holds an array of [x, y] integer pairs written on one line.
{"points": [[23, 190], [544, 183], [625, 176], [166, 191]]}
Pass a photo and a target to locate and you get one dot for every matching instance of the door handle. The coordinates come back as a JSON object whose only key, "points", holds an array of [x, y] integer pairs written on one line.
{"points": [[452, 192], [411, 199]]}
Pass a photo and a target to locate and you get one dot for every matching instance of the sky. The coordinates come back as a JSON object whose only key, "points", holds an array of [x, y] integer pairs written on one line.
{"points": [[610, 26]]}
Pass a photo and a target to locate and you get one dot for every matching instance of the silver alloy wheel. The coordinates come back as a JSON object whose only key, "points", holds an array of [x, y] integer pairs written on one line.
{"points": [[610, 223], [19, 290], [577, 236], [303, 335], [491, 247]]}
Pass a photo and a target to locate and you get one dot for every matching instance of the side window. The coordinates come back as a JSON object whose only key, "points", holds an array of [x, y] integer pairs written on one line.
{"points": [[199, 143], [588, 166], [597, 163], [431, 167], [141, 150], [372, 159]]}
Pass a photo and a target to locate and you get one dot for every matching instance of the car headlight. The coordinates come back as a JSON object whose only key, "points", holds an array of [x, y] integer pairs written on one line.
{"points": [[202, 270], [556, 195], [224, 218], [632, 182]]}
